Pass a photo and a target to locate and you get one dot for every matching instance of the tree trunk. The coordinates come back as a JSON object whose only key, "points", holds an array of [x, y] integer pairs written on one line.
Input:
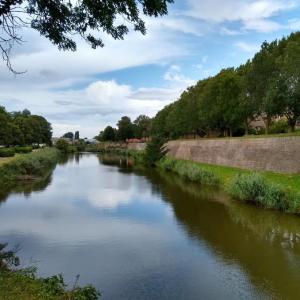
{"points": [[246, 128], [267, 123], [292, 125]]}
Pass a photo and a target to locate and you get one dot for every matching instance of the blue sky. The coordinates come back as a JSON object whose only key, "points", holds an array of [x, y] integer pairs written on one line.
{"points": [[90, 89]]}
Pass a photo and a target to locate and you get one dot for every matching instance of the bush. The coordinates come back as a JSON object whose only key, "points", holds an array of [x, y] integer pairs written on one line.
{"points": [[255, 188], [155, 151], [23, 149], [280, 126], [24, 283], [7, 152], [33, 164], [190, 170], [62, 145]]}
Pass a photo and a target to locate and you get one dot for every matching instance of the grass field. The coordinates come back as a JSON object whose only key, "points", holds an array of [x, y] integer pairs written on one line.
{"points": [[250, 136], [226, 174]]}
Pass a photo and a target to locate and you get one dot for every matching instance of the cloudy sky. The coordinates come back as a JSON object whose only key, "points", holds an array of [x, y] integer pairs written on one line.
{"points": [[89, 89]]}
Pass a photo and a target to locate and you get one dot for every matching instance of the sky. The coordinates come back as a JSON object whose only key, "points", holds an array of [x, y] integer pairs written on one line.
{"points": [[89, 89]]}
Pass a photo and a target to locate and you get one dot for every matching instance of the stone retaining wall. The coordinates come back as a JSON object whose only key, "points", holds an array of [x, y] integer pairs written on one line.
{"points": [[280, 155]]}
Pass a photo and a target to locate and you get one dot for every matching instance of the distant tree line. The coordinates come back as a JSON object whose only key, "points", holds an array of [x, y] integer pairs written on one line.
{"points": [[268, 87], [23, 128], [126, 129]]}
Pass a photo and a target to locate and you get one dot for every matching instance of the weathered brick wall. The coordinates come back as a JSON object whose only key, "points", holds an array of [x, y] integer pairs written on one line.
{"points": [[280, 155], [136, 146]]}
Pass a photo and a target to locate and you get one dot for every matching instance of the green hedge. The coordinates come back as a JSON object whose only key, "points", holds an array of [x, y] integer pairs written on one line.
{"points": [[7, 152], [23, 149]]}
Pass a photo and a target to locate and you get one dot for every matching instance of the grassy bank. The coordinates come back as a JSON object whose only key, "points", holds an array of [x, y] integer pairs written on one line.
{"points": [[265, 189], [26, 166], [24, 284]]}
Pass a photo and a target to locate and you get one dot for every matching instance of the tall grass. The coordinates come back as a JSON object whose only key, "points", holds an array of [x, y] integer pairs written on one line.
{"points": [[189, 170], [29, 165], [257, 189]]}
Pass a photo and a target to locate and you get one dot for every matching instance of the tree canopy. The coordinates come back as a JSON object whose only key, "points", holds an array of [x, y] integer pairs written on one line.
{"points": [[23, 128], [268, 86], [60, 20]]}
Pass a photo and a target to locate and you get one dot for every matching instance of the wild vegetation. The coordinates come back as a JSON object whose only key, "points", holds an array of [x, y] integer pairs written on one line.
{"points": [[257, 189], [25, 166], [18, 283], [189, 170], [268, 86]]}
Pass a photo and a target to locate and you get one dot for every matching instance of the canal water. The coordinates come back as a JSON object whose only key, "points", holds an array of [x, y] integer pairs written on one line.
{"points": [[140, 234]]}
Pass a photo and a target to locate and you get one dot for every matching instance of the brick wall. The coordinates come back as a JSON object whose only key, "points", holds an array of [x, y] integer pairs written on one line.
{"points": [[280, 155]]}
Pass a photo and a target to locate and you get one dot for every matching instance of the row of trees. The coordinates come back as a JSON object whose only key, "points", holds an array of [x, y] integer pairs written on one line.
{"points": [[139, 128], [71, 135], [268, 86], [23, 128]]}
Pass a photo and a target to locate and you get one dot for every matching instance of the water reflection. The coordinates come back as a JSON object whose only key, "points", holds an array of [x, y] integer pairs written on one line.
{"points": [[139, 234]]}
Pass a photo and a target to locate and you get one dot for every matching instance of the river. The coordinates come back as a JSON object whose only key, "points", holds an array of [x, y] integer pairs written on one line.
{"points": [[141, 234]]}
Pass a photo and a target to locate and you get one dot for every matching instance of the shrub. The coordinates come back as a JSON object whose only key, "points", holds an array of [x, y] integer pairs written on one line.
{"points": [[155, 150], [190, 170], [23, 149], [7, 152], [255, 188], [33, 164], [62, 145], [280, 126]]}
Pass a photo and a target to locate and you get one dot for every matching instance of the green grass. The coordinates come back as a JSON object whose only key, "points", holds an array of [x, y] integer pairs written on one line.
{"points": [[267, 189], [252, 136], [23, 284], [29, 165], [226, 175], [258, 189], [189, 170]]}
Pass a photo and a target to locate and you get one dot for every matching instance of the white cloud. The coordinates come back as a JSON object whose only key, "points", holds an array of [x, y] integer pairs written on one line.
{"points": [[237, 10], [175, 76], [262, 25], [294, 24], [248, 47]]}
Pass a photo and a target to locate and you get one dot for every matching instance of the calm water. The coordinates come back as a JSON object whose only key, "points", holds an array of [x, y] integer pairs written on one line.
{"points": [[144, 235]]}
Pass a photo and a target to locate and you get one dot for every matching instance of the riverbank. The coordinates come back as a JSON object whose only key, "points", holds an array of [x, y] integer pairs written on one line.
{"points": [[27, 166], [24, 284], [264, 189]]}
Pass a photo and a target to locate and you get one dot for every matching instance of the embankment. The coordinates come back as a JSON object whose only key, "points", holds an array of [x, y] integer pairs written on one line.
{"points": [[281, 155], [27, 166]]}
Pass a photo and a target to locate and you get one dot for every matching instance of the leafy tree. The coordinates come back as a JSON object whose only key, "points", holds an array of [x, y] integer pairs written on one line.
{"points": [[155, 150], [77, 135], [5, 127], [60, 20], [109, 134], [62, 145], [69, 135], [264, 79], [288, 88], [125, 129], [142, 126]]}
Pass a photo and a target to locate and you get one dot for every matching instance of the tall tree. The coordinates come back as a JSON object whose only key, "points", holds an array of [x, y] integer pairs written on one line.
{"points": [[68, 135], [125, 129], [142, 126], [288, 89], [77, 135]]}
